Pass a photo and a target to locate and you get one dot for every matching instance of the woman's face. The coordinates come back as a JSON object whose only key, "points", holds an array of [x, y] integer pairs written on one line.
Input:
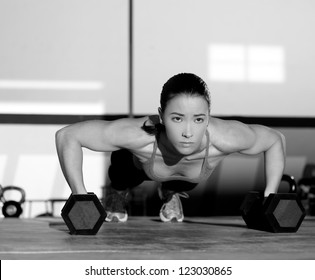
{"points": [[186, 119]]}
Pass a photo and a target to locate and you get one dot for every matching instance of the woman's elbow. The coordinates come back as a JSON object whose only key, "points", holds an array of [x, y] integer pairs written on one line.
{"points": [[62, 137], [282, 140]]}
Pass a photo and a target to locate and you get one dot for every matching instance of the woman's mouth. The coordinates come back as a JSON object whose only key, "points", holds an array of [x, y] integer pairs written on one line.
{"points": [[186, 144]]}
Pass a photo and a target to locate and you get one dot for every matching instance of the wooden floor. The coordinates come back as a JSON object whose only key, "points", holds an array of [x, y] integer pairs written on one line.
{"points": [[147, 238]]}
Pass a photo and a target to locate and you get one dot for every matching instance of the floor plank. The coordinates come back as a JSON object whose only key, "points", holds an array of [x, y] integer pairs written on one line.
{"points": [[148, 238]]}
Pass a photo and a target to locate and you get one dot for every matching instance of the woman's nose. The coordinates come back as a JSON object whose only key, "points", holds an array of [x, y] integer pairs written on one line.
{"points": [[187, 133]]}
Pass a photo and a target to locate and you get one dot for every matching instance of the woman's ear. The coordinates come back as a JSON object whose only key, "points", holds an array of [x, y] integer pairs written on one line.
{"points": [[208, 119], [160, 115]]}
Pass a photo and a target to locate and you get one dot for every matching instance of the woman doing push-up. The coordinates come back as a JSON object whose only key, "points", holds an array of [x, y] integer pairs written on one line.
{"points": [[179, 148]]}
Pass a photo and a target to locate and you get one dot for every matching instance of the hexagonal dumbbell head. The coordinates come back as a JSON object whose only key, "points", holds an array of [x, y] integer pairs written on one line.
{"points": [[83, 214], [252, 211], [284, 212]]}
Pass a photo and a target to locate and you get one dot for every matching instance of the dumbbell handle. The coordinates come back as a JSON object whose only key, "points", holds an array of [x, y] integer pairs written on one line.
{"points": [[291, 181], [292, 185]]}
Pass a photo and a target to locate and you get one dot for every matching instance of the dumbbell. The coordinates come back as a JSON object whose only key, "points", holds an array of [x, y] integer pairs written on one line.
{"points": [[12, 208], [281, 212], [83, 214]]}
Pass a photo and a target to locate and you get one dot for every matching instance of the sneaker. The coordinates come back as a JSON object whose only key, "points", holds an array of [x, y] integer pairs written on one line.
{"points": [[172, 209], [115, 205]]}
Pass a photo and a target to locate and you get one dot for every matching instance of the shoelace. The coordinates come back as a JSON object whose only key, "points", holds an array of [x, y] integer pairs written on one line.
{"points": [[183, 194], [167, 195], [173, 204], [170, 198]]}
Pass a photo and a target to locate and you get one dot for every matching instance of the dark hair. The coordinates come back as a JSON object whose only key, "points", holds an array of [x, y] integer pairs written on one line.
{"points": [[183, 83]]}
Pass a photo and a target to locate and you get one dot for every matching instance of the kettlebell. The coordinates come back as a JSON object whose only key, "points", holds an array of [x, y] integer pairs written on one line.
{"points": [[12, 208]]}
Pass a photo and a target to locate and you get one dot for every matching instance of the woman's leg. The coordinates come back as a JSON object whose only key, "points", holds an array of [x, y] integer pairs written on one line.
{"points": [[170, 193], [124, 175]]}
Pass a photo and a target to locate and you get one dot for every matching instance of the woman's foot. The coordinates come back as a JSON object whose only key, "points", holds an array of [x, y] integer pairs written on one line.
{"points": [[115, 205], [172, 209]]}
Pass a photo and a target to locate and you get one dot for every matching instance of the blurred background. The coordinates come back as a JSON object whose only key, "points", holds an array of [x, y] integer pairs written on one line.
{"points": [[65, 61]]}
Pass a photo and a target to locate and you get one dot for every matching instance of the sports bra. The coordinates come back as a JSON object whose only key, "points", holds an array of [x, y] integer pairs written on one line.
{"points": [[205, 172]]}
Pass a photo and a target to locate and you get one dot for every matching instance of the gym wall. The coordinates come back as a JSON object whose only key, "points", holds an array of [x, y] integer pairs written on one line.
{"points": [[256, 56], [70, 58]]}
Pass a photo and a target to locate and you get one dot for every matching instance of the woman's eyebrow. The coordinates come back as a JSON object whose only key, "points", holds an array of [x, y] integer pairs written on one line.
{"points": [[195, 115], [200, 115], [175, 113]]}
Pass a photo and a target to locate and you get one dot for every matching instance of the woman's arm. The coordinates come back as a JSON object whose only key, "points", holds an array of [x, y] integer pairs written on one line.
{"points": [[272, 144], [252, 140], [96, 135]]}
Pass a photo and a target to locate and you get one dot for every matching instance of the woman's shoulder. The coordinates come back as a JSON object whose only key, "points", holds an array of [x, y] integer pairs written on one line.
{"points": [[130, 129], [217, 128], [136, 124], [228, 135], [224, 127]]}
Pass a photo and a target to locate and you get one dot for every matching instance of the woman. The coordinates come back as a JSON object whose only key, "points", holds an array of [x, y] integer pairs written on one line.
{"points": [[180, 147]]}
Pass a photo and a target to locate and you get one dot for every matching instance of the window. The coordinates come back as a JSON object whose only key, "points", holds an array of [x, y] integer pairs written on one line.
{"points": [[239, 63]]}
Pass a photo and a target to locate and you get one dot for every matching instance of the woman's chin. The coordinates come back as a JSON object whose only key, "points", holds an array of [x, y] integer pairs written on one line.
{"points": [[186, 151]]}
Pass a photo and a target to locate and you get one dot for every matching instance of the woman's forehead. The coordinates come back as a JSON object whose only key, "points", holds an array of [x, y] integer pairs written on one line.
{"points": [[188, 103]]}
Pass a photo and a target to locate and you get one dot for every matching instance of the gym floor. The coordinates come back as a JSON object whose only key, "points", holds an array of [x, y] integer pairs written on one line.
{"points": [[215, 238]]}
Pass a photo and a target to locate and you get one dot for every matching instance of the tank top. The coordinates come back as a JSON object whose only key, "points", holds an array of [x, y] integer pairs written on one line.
{"points": [[205, 171]]}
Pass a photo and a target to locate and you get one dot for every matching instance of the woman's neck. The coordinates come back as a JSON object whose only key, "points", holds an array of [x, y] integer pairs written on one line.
{"points": [[169, 152], [170, 155]]}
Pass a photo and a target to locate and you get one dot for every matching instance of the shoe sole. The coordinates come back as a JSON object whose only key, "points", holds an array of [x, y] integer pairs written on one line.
{"points": [[114, 219], [171, 220]]}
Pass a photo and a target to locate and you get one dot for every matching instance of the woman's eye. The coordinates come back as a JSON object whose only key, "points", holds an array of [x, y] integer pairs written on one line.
{"points": [[177, 119], [199, 120]]}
